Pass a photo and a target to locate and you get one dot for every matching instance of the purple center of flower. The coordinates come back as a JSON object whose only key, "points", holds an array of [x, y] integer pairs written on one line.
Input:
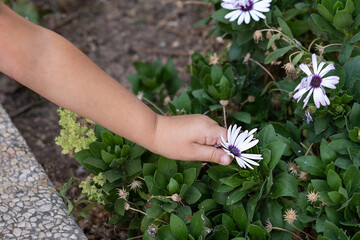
{"points": [[316, 81], [244, 5], [234, 150]]}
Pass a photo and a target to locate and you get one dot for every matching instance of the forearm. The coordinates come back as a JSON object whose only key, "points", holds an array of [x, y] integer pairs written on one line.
{"points": [[57, 70]]}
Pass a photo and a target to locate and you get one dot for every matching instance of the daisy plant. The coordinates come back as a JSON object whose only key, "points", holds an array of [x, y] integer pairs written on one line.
{"points": [[244, 10], [315, 82], [238, 142]]}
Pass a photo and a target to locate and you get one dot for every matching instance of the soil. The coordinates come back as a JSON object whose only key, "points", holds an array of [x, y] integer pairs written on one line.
{"points": [[114, 34]]}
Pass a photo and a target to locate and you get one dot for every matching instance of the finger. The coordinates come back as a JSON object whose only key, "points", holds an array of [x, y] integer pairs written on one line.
{"points": [[212, 135], [211, 154]]}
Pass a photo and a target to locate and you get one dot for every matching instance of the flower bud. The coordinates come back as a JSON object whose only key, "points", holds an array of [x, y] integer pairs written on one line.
{"points": [[176, 198], [251, 99], [224, 103], [127, 206], [257, 36]]}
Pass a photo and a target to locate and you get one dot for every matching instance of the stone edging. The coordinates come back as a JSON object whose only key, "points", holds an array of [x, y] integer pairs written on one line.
{"points": [[30, 208]]}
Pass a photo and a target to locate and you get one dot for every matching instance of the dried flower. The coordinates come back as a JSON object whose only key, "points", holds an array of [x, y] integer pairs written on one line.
{"points": [[257, 36], [303, 176], [320, 49], [140, 95], [244, 10], [220, 39], [251, 99], [126, 206], [290, 215], [268, 226], [207, 230], [247, 58], [294, 168], [269, 35], [312, 196], [135, 185], [213, 59], [122, 193], [152, 230], [308, 115]]}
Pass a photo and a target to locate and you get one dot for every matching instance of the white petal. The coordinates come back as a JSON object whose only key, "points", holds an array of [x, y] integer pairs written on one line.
{"points": [[241, 18], [305, 69], [321, 65], [249, 145], [241, 138], [235, 16], [252, 156], [332, 79], [314, 63], [301, 85], [254, 16], [328, 85], [228, 6], [326, 70], [247, 17], [316, 97], [259, 14], [252, 131], [306, 100], [229, 134], [240, 162], [300, 93], [223, 142], [250, 161], [236, 134]]}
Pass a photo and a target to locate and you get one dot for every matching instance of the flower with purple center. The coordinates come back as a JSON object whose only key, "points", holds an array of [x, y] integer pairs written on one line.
{"points": [[315, 82], [238, 142], [244, 10]]}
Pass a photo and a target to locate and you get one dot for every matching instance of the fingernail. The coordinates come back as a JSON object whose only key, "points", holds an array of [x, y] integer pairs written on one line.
{"points": [[224, 160]]}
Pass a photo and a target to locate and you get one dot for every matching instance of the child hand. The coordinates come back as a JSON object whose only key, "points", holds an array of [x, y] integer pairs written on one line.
{"points": [[189, 138]]}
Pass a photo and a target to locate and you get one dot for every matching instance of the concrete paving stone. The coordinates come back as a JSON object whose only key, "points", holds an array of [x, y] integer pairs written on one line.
{"points": [[29, 207]]}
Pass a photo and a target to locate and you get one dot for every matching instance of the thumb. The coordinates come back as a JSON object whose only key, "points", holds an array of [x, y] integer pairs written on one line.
{"points": [[212, 154]]}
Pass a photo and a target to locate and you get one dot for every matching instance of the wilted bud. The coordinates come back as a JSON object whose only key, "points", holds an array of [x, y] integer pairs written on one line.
{"points": [[303, 176], [152, 230], [247, 58], [220, 40], [126, 206], [257, 36], [176, 198], [312, 196], [224, 103], [251, 99], [290, 70], [140, 95], [269, 35], [268, 226], [294, 168], [320, 49]]}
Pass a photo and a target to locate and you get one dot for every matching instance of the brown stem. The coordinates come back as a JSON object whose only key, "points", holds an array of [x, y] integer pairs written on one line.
{"points": [[285, 230]]}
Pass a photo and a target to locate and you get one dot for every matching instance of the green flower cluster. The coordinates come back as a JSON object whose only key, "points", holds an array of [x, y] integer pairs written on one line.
{"points": [[91, 190], [74, 135]]}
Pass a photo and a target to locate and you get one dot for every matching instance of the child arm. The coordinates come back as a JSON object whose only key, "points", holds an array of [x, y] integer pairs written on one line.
{"points": [[51, 66]]}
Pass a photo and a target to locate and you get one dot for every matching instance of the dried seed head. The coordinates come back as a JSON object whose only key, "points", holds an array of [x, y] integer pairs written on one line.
{"points": [[303, 176], [224, 103], [293, 168], [269, 35], [289, 67], [213, 59], [268, 226], [257, 36], [251, 99], [135, 185], [122, 193], [127, 206], [312, 196], [290, 215], [167, 100], [247, 58], [320, 49], [176, 198]]}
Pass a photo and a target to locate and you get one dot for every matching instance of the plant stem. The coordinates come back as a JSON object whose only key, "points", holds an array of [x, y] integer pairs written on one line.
{"points": [[154, 105], [224, 111], [302, 231], [285, 230], [272, 77], [309, 48], [133, 238]]}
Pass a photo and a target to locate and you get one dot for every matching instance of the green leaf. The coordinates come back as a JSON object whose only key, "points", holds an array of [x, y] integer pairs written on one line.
{"points": [[257, 232], [184, 212], [220, 232], [95, 162], [332, 231], [27, 10], [267, 135], [325, 12], [208, 205], [136, 151], [173, 186], [113, 175], [352, 178], [107, 138], [228, 222], [197, 224], [355, 114], [355, 38], [153, 209], [165, 233], [327, 154], [349, 7], [125, 150], [133, 166], [244, 117], [190, 176], [336, 197], [167, 167], [178, 227], [341, 145], [342, 20], [277, 54], [285, 28], [240, 218], [107, 157], [312, 165], [321, 124], [192, 195], [120, 206], [284, 185], [160, 180], [333, 180], [322, 23]]}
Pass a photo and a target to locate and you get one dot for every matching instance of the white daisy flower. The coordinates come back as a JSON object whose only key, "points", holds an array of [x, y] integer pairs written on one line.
{"points": [[315, 83], [238, 142], [246, 9]]}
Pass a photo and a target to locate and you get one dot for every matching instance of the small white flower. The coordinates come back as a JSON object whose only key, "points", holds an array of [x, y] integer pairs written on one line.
{"points": [[246, 9], [237, 143], [315, 83]]}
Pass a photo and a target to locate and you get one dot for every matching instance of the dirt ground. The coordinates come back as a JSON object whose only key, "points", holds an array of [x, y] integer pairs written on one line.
{"points": [[114, 34]]}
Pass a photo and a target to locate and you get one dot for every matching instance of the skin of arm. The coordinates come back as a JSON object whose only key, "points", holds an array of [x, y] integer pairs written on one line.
{"points": [[53, 67]]}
